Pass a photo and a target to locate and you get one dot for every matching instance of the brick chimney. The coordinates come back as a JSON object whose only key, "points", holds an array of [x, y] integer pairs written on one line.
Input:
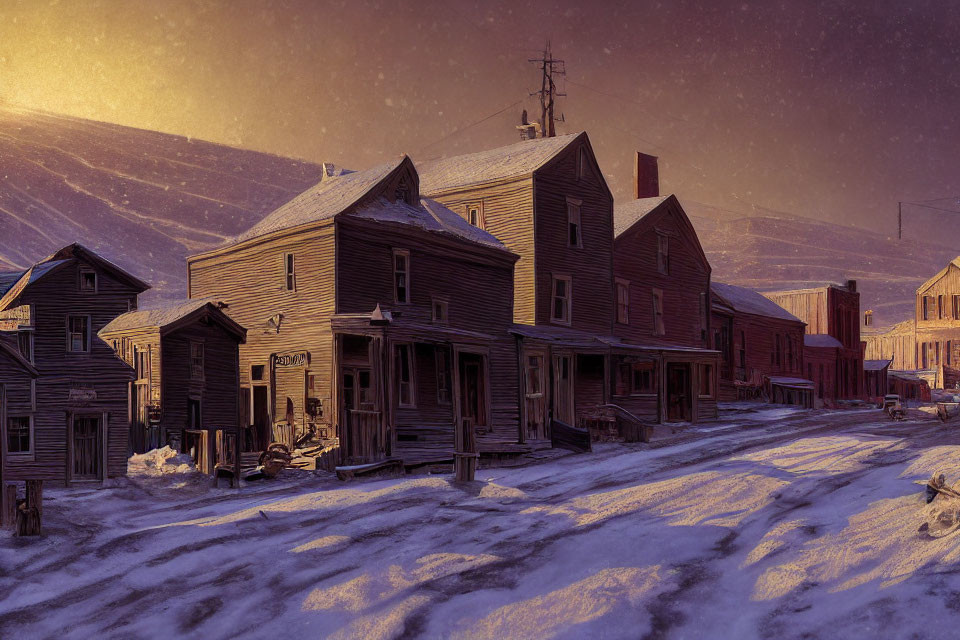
{"points": [[646, 176], [852, 286]]}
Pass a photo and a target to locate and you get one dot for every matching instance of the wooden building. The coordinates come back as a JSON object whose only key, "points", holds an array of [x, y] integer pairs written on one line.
{"points": [[78, 430], [547, 201], [185, 356], [897, 343], [909, 386], [372, 316], [937, 319], [18, 406], [761, 345], [821, 357], [875, 378], [662, 294], [832, 310]]}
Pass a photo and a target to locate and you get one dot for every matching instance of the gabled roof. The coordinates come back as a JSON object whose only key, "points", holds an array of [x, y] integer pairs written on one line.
{"points": [[8, 279], [876, 365], [821, 340], [53, 262], [174, 315], [929, 283], [745, 300], [329, 197], [8, 348], [637, 213], [502, 163]]}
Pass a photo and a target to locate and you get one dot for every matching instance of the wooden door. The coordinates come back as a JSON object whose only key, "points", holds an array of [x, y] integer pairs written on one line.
{"points": [[362, 426], [563, 406], [261, 417], [87, 451], [679, 400], [535, 397]]}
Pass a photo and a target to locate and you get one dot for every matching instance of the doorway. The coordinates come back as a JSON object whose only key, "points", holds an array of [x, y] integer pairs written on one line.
{"points": [[563, 406], [679, 400], [87, 449], [535, 397], [261, 417]]}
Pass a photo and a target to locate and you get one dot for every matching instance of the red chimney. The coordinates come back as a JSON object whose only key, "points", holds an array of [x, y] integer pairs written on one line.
{"points": [[646, 176]]}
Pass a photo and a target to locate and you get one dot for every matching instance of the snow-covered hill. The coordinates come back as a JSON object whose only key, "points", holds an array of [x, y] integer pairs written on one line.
{"points": [[141, 198]]}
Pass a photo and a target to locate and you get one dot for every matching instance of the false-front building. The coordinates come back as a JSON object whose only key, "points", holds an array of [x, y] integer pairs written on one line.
{"points": [[185, 356], [77, 427], [372, 316]]}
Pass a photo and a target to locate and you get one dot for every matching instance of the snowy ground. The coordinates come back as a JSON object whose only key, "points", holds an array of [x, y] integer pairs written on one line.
{"points": [[773, 523]]}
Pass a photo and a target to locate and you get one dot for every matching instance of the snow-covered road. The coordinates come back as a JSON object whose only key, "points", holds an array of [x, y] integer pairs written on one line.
{"points": [[773, 523]]}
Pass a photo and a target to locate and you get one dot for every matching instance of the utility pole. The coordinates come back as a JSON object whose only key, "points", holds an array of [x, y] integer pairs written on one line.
{"points": [[549, 66], [899, 221]]}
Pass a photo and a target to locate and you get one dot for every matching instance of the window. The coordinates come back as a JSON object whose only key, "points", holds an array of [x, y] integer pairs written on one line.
{"points": [[939, 306], [574, 238], [196, 361], [743, 349], [88, 280], [560, 311], [658, 327], [193, 414], [290, 275], [868, 318], [475, 215], [404, 370], [703, 316], [401, 276], [929, 307], [78, 334], [443, 375], [623, 301], [256, 372], [534, 375], [956, 307], [25, 344], [663, 253], [19, 436], [439, 314], [779, 348], [636, 378], [141, 362], [132, 304], [706, 380]]}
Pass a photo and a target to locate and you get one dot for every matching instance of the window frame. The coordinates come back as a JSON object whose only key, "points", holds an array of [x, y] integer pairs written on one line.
{"points": [[628, 387], [18, 456], [27, 333], [659, 322], [411, 379], [444, 305], [568, 304], [69, 333], [405, 272], [481, 218], [622, 285], [289, 272], [203, 361], [85, 271], [575, 222]]}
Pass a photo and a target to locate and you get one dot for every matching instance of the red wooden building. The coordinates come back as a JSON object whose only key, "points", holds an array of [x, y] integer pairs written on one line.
{"points": [[662, 293], [832, 310], [761, 346], [875, 378], [821, 357], [372, 316], [78, 428], [185, 356]]}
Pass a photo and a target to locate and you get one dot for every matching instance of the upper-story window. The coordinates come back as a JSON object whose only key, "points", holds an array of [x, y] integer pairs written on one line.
{"points": [[88, 280], [574, 236], [560, 310], [663, 253], [403, 359], [141, 362], [623, 301], [401, 276], [658, 326], [25, 344], [868, 318], [439, 310], [20, 436], [289, 273], [475, 215], [78, 334], [196, 361], [132, 304]]}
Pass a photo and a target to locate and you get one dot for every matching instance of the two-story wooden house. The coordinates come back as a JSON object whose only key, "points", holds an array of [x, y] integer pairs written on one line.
{"points": [[760, 342], [937, 321], [78, 430], [662, 293], [373, 316], [185, 356], [547, 201], [832, 310], [17, 407]]}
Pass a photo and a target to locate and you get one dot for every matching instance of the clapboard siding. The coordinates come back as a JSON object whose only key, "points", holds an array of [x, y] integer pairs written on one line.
{"points": [[52, 298], [590, 266], [218, 390]]}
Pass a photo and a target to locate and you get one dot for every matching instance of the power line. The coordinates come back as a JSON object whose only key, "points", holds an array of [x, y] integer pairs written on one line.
{"points": [[927, 206], [472, 124]]}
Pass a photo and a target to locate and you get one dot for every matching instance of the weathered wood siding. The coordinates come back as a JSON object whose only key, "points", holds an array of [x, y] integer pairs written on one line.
{"points": [[590, 267], [52, 298], [250, 279], [508, 214], [686, 289]]}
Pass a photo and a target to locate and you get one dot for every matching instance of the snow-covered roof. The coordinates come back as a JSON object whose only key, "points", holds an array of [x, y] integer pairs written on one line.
{"points": [[512, 161], [876, 365], [169, 314], [324, 200], [429, 216], [745, 300], [824, 340], [626, 214], [929, 283]]}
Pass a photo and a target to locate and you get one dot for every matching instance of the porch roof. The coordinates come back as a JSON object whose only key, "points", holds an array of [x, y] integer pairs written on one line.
{"points": [[401, 327], [574, 338], [793, 383]]}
